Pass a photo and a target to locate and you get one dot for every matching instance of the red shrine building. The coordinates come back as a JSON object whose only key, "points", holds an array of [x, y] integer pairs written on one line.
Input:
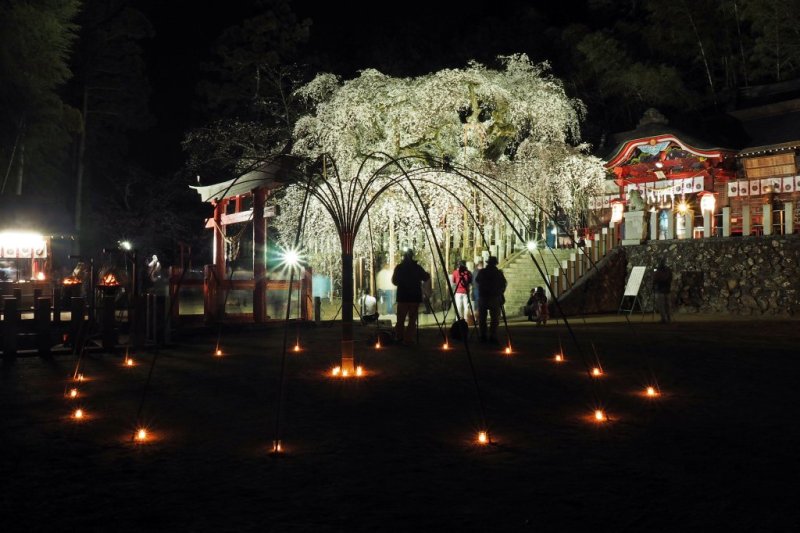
{"points": [[682, 187], [243, 272]]}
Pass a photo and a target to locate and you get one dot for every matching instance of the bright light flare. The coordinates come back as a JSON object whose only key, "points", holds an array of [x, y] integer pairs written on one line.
{"points": [[651, 392], [483, 437], [22, 239], [359, 371], [508, 350], [600, 415], [78, 414], [80, 377], [141, 435], [559, 358], [129, 361], [277, 447], [378, 345], [336, 371], [683, 207], [40, 276], [446, 346], [218, 353], [531, 246], [345, 373], [291, 258], [126, 245], [296, 347], [597, 372], [73, 393]]}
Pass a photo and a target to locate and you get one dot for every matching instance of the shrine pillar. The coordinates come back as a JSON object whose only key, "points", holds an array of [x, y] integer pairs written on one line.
{"points": [[766, 217], [726, 221], [215, 295], [259, 255], [746, 220]]}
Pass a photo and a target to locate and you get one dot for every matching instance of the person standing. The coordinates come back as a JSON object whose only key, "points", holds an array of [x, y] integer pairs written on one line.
{"points": [[462, 280], [383, 282], [542, 311], [662, 285], [492, 297], [408, 276], [475, 292]]}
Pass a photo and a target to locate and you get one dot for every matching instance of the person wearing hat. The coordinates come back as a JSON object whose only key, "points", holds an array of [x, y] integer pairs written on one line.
{"points": [[408, 276], [493, 287], [462, 279]]}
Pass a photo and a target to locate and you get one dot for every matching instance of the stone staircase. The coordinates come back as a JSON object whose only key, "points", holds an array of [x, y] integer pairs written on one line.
{"points": [[522, 275]]}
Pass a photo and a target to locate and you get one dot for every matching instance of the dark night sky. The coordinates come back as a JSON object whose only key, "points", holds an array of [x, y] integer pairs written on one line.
{"points": [[408, 38]]}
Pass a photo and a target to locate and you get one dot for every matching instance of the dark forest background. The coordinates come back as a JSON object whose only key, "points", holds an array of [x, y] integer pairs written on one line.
{"points": [[109, 109]]}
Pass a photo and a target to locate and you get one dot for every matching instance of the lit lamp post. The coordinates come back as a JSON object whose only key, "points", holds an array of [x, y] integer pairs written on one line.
{"points": [[617, 209], [708, 203]]}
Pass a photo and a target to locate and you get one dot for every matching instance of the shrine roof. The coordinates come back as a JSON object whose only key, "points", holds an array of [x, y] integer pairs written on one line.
{"points": [[651, 131], [772, 127], [274, 174]]}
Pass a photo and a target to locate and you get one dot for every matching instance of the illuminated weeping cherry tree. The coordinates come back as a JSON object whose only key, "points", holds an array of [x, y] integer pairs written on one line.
{"points": [[516, 124]]}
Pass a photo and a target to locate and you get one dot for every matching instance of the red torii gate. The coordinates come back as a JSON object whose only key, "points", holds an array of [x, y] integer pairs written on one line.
{"points": [[256, 186]]}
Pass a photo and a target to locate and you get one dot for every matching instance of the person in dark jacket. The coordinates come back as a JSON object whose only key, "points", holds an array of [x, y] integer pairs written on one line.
{"points": [[408, 276], [662, 285], [493, 288]]}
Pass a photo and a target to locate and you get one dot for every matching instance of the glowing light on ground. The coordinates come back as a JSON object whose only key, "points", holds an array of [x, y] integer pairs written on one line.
{"points": [[78, 414], [359, 371], [79, 377], [218, 353], [445, 346], [378, 345], [597, 371], [600, 415], [651, 392], [129, 361], [277, 447], [508, 350], [336, 371], [345, 373], [73, 393], [141, 435], [559, 358], [296, 347], [483, 437]]}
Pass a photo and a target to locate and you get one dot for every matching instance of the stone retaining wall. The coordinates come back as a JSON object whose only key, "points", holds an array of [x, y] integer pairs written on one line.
{"points": [[737, 275], [600, 292]]}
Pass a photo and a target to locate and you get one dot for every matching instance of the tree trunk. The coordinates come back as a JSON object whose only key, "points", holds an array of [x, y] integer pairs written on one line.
{"points": [[741, 45], [702, 53], [17, 139], [80, 170], [347, 313], [20, 168]]}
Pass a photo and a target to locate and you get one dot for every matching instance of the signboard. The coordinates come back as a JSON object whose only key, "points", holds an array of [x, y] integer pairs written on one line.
{"points": [[634, 281], [632, 290]]}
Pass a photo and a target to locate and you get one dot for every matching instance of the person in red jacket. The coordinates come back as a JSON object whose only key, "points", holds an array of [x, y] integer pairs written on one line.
{"points": [[462, 282]]}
